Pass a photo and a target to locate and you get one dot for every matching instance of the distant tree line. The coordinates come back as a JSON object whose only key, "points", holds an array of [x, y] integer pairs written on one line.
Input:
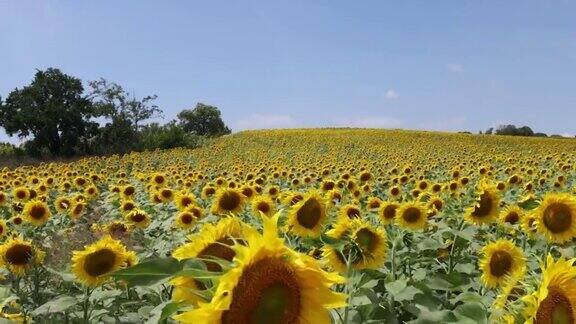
{"points": [[59, 118], [513, 130]]}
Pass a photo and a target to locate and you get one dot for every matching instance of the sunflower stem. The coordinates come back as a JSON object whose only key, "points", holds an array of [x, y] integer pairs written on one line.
{"points": [[86, 305], [346, 287]]}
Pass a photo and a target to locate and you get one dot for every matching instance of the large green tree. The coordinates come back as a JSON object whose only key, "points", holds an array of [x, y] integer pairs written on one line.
{"points": [[203, 120], [52, 111]]}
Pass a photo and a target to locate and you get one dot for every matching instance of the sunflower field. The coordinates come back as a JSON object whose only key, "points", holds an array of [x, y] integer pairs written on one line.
{"points": [[296, 226]]}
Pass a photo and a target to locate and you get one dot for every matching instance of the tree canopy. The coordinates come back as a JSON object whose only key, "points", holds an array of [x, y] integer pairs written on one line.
{"points": [[203, 120], [52, 110]]}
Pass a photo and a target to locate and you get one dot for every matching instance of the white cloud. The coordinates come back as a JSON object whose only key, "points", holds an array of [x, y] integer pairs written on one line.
{"points": [[455, 67], [567, 135], [368, 122], [259, 121], [391, 94]]}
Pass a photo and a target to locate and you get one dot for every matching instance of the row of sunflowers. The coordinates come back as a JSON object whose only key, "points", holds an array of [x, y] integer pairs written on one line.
{"points": [[296, 226]]}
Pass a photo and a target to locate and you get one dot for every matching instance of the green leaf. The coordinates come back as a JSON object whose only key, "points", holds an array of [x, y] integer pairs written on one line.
{"points": [[474, 312], [467, 268], [419, 274], [401, 291], [397, 286], [100, 294], [66, 276], [149, 272], [529, 204], [57, 305]]}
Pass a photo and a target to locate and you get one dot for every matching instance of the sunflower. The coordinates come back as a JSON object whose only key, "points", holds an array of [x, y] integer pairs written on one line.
{"points": [[77, 210], [158, 179], [485, 209], [411, 215], [556, 217], [555, 299], [36, 212], [165, 194], [334, 196], [185, 220], [127, 191], [3, 228], [21, 193], [184, 200], [62, 204], [93, 265], [270, 284], [127, 206], [366, 246], [18, 255], [435, 203], [228, 201], [528, 224], [349, 211], [263, 204], [373, 203], [307, 217], [213, 241], [387, 212], [138, 218], [501, 260], [394, 192], [91, 191], [511, 215], [117, 229], [208, 191]]}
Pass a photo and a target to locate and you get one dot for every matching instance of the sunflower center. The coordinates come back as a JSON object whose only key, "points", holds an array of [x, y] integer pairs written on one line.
{"points": [[99, 262], [353, 213], [555, 309], [78, 209], [500, 263], [411, 215], [557, 218], [263, 207], [366, 239], [21, 194], [19, 254], [230, 200], [512, 217], [484, 206], [309, 214], [390, 211], [267, 292], [186, 201], [138, 217], [37, 212], [187, 218]]}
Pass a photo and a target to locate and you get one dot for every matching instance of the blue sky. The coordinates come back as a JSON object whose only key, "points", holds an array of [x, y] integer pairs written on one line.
{"points": [[445, 65]]}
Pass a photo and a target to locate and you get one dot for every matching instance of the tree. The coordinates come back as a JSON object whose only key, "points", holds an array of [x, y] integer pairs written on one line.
{"points": [[114, 102], [52, 110], [514, 131], [203, 120], [167, 136]]}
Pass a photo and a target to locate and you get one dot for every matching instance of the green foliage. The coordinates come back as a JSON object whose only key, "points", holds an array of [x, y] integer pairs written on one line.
{"points": [[203, 120], [53, 110], [167, 136], [113, 101], [512, 130]]}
